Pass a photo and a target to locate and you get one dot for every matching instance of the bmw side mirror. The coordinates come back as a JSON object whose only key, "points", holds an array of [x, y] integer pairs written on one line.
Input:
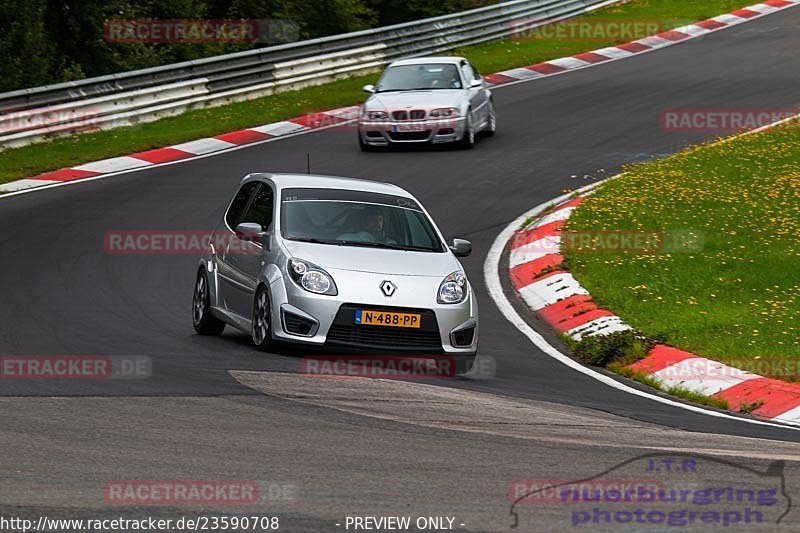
{"points": [[252, 232], [368, 89], [476, 84], [461, 248]]}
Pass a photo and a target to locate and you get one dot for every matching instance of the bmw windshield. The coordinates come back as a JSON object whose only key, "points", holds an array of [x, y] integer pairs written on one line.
{"points": [[419, 77], [355, 218]]}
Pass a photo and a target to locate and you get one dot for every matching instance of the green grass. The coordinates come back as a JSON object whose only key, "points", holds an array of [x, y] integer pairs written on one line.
{"points": [[695, 397], [736, 296], [666, 14], [677, 391], [63, 152], [622, 369]]}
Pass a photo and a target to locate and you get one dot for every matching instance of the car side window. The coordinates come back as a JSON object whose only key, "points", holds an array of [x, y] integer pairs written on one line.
{"points": [[239, 204], [417, 231], [469, 73], [475, 73], [262, 207]]}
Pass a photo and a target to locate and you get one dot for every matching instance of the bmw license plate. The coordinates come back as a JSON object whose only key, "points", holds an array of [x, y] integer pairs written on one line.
{"points": [[409, 127], [368, 317]]}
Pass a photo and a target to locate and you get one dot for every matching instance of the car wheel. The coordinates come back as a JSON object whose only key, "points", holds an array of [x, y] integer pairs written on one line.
{"points": [[491, 122], [203, 322], [464, 363], [261, 328], [468, 138]]}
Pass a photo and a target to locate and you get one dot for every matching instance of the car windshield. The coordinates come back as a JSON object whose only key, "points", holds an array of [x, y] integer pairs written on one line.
{"points": [[419, 77], [355, 218]]}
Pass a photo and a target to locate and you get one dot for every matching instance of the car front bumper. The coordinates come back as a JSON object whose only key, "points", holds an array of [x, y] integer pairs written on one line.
{"points": [[299, 316], [384, 133]]}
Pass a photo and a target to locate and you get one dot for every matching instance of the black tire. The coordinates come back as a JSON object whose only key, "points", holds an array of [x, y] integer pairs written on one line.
{"points": [[261, 323], [467, 141], [204, 323], [491, 125], [464, 363]]}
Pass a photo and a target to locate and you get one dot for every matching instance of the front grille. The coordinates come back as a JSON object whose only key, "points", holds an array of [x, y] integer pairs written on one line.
{"points": [[409, 135], [414, 114], [345, 332], [378, 337]]}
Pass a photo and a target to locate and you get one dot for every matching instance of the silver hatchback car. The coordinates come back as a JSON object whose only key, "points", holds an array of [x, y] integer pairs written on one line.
{"points": [[347, 263], [427, 100]]}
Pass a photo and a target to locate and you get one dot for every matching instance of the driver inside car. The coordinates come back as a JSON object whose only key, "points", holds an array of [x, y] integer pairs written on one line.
{"points": [[370, 226]]}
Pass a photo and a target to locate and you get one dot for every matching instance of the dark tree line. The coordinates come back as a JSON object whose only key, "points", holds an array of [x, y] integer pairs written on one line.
{"points": [[51, 41]]}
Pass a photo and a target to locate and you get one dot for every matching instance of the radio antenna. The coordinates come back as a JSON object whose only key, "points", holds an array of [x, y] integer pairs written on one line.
{"points": [[308, 163]]}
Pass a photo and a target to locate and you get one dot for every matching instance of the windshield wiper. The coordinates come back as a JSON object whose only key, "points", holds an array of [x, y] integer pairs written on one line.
{"points": [[312, 240], [384, 245], [365, 244], [404, 90]]}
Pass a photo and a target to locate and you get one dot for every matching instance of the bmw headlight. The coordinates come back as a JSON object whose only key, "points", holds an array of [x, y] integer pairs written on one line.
{"points": [[311, 277], [453, 289], [376, 115], [445, 112]]}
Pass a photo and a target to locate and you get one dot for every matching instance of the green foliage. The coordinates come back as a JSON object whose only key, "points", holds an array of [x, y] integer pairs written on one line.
{"points": [[45, 42], [748, 407], [603, 349], [396, 11], [25, 47]]}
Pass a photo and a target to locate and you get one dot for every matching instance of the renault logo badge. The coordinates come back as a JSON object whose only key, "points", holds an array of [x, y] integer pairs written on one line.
{"points": [[388, 288]]}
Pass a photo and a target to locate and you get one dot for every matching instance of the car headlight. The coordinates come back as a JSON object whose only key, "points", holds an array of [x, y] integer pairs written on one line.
{"points": [[376, 115], [311, 277], [445, 112], [453, 289]]}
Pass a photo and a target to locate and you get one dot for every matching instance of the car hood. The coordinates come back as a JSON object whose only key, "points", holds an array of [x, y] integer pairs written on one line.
{"points": [[416, 99], [375, 260]]}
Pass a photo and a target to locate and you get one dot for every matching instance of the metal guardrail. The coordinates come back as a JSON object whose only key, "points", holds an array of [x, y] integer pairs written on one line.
{"points": [[31, 115]]}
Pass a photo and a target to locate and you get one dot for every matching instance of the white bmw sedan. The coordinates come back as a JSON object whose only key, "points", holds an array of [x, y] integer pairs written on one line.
{"points": [[427, 100]]}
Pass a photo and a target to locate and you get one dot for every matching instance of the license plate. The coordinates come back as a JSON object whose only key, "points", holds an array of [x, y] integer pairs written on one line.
{"points": [[409, 127], [367, 317]]}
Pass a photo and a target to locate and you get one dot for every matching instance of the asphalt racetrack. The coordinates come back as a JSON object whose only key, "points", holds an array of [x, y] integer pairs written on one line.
{"points": [[215, 408]]}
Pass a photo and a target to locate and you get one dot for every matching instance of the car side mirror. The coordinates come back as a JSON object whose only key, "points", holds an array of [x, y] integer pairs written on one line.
{"points": [[368, 89], [461, 248], [476, 84], [252, 232]]}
